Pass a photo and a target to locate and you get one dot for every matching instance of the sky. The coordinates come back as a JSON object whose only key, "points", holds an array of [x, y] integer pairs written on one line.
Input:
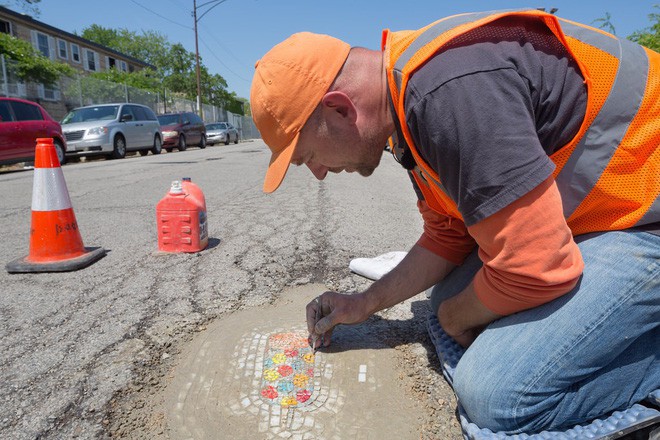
{"points": [[233, 34]]}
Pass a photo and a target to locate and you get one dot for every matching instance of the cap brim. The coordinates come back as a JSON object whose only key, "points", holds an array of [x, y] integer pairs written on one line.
{"points": [[279, 164]]}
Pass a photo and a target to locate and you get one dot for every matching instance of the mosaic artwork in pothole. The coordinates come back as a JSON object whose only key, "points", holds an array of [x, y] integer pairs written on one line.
{"points": [[284, 384], [288, 370]]}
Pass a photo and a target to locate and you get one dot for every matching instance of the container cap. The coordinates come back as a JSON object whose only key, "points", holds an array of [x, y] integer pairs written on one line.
{"points": [[176, 187]]}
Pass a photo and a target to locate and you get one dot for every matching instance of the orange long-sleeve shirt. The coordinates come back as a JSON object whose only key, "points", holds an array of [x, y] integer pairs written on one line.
{"points": [[528, 251]]}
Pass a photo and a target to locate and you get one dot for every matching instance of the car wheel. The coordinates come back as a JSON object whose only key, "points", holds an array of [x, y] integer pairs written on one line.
{"points": [[227, 139], [202, 143], [59, 149], [169, 150], [236, 140], [144, 152], [119, 150], [158, 145], [182, 143]]}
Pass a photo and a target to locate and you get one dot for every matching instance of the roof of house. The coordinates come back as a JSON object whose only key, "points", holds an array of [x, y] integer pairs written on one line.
{"points": [[26, 18]]}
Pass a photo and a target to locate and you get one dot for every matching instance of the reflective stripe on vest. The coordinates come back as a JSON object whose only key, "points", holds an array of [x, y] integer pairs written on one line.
{"points": [[617, 75], [592, 154]]}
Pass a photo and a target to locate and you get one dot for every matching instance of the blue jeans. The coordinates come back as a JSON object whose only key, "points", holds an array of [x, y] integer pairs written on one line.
{"points": [[579, 357]]}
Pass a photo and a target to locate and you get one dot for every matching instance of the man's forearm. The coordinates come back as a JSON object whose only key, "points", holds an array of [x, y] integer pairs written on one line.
{"points": [[418, 271], [463, 316]]}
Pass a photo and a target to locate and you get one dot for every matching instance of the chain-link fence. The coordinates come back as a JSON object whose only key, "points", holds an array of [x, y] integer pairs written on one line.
{"points": [[84, 90]]}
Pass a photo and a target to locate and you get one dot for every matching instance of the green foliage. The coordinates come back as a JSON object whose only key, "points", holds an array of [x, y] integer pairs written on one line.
{"points": [[28, 6], [142, 79], [150, 46], [649, 37], [175, 67], [31, 65], [605, 23]]}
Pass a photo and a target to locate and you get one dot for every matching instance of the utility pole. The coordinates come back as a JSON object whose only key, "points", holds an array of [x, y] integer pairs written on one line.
{"points": [[199, 81]]}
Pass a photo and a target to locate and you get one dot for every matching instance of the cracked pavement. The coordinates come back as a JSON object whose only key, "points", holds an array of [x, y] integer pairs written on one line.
{"points": [[85, 354]]}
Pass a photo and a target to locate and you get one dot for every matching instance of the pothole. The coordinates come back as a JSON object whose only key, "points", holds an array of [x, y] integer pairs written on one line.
{"points": [[239, 379]]}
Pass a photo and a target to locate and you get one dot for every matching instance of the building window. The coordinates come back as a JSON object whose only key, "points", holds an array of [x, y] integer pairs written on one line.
{"points": [[110, 63], [42, 44], [62, 49], [11, 84], [123, 66], [75, 52], [91, 60], [51, 93], [5, 27]]}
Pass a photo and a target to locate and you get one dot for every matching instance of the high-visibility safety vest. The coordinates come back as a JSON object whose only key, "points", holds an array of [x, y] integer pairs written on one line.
{"points": [[609, 174]]}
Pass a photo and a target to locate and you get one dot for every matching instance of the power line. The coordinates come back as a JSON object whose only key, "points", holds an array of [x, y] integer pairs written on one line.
{"points": [[217, 2], [220, 61], [161, 16], [178, 5], [225, 48]]}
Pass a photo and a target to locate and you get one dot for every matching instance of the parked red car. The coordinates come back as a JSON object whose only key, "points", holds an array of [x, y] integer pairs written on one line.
{"points": [[21, 123], [181, 130]]}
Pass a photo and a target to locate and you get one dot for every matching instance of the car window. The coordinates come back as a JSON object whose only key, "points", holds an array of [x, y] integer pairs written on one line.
{"points": [[222, 125], [151, 116], [169, 119], [98, 113], [26, 112], [187, 118], [139, 113], [126, 110], [5, 113], [195, 119]]}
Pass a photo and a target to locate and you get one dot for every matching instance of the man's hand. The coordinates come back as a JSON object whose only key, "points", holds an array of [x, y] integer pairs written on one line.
{"points": [[418, 271], [330, 309], [463, 316]]}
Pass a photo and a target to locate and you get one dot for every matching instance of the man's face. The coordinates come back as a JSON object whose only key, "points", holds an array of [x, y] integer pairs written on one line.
{"points": [[348, 151]]}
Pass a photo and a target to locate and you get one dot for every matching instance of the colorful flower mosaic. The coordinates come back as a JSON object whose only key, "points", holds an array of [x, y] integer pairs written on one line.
{"points": [[288, 370]]}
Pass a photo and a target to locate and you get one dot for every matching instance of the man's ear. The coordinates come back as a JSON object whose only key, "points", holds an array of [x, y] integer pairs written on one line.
{"points": [[339, 105]]}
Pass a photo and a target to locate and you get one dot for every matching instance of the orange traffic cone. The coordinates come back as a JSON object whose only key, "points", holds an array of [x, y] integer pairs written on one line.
{"points": [[55, 242]]}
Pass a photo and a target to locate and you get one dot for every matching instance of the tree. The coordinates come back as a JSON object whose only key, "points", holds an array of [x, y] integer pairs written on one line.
{"points": [[150, 46], [141, 79], [605, 23], [649, 37], [175, 67], [29, 64], [28, 6]]}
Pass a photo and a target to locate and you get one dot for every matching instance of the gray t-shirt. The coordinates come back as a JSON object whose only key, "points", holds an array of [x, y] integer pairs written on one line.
{"points": [[486, 112]]}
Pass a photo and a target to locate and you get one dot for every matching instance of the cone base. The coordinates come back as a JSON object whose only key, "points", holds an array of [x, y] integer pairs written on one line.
{"points": [[23, 265]]}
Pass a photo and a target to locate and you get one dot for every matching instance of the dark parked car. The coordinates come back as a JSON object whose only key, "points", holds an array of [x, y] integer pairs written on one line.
{"points": [[217, 132], [112, 130], [21, 123], [182, 129]]}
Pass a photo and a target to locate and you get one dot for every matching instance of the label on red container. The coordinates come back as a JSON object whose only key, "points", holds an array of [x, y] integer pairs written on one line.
{"points": [[203, 226]]}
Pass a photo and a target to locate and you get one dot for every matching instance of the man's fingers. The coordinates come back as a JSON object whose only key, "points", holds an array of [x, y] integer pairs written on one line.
{"points": [[324, 325], [311, 311], [327, 336]]}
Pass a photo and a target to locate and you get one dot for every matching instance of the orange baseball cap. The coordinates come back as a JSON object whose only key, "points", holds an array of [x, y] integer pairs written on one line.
{"points": [[288, 84]]}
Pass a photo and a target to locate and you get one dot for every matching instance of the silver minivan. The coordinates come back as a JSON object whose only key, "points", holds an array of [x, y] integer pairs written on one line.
{"points": [[112, 130]]}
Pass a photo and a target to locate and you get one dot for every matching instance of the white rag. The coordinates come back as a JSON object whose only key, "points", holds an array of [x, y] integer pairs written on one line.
{"points": [[375, 268]]}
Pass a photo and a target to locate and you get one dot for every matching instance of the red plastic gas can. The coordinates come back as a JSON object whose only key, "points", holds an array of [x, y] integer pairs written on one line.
{"points": [[194, 190], [181, 219]]}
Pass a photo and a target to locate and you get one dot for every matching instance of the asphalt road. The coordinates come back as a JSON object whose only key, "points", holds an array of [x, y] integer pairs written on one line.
{"points": [[81, 352]]}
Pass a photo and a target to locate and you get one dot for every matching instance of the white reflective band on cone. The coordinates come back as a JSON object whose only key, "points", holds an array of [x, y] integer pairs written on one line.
{"points": [[50, 192]]}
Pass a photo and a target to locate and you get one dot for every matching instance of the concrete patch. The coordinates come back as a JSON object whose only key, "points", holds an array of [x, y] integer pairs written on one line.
{"points": [[215, 391]]}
